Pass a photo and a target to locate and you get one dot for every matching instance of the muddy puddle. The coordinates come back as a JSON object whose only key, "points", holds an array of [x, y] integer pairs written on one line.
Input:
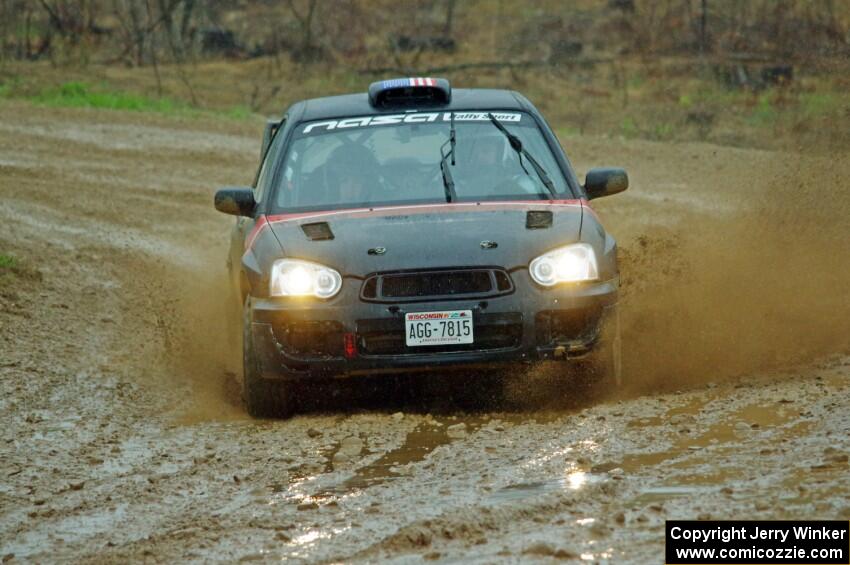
{"points": [[419, 444], [692, 460], [571, 481], [429, 435]]}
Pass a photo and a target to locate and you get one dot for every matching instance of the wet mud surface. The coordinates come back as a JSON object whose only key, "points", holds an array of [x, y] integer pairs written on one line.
{"points": [[122, 437]]}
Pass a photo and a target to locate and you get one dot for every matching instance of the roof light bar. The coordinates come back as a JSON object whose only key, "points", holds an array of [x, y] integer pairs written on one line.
{"points": [[412, 91]]}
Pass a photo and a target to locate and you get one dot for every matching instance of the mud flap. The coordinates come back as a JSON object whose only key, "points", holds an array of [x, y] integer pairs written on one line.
{"points": [[263, 397], [602, 368]]}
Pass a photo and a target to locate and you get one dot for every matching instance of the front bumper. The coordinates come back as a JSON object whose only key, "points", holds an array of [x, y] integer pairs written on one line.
{"points": [[306, 338]]}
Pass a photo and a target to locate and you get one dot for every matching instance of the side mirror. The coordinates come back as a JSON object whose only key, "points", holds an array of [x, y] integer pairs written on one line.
{"points": [[235, 201], [605, 182]]}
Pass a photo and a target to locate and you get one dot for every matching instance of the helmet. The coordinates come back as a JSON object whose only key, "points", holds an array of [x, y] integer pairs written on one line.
{"points": [[351, 160]]}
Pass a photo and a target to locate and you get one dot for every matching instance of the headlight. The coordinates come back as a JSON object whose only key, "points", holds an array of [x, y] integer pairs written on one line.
{"points": [[293, 277], [573, 263]]}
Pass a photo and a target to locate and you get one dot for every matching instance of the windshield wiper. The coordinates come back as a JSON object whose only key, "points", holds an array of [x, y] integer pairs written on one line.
{"points": [[516, 145], [448, 181]]}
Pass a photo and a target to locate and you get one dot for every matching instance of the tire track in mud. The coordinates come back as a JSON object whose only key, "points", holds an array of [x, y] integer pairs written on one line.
{"points": [[117, 406], [120, 440]]}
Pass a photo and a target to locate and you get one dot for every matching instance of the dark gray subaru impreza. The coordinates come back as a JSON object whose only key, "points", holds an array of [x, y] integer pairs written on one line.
{"points": [[414, 227]]}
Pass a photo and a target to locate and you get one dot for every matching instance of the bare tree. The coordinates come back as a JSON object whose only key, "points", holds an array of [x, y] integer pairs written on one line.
{"points": [[450, 12], [305, 51]]}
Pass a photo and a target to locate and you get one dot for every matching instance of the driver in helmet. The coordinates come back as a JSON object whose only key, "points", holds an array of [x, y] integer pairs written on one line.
{"points": [[487, 163], [351, 175]]}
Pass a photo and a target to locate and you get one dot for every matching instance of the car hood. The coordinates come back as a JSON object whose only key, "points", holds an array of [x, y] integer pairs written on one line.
{"points": [[424, 237]]}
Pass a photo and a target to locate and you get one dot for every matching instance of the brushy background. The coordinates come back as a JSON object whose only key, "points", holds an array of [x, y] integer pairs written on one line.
{"points": [[764, 73]]}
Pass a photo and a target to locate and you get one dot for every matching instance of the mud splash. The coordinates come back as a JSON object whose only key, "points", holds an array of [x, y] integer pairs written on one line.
{"points": [[199, 323], [763, 285]]}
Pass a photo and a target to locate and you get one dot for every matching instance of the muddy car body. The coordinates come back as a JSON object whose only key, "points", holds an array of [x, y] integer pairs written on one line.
{"points": [[412, 228]]}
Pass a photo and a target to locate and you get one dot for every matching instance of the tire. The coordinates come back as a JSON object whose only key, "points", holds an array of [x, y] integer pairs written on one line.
{"points": [[263, 398], [601, 370]]}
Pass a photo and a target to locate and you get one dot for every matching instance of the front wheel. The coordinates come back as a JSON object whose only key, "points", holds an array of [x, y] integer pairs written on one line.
{"points": [[263, 398]]}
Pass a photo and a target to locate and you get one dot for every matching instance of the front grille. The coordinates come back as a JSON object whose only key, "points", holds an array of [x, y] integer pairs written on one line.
{"points": [[436, 285], [490, 332]]}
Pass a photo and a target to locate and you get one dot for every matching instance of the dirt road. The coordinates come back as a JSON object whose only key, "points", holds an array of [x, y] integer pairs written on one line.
{"points": [[121, 434]]}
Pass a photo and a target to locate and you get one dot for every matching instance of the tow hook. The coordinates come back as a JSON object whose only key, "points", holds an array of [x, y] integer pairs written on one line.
{"points": [[570, 349]]}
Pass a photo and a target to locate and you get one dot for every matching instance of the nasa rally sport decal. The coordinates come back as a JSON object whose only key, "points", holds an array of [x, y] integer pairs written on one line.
{"points": [[413, 118]]}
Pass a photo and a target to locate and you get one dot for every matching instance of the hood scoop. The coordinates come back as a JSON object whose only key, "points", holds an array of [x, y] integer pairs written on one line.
{"points": [[538, 219], [318, 231]]}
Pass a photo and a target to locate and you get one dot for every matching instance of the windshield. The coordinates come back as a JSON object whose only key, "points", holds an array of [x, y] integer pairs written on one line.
{"points": [[395, 159]]}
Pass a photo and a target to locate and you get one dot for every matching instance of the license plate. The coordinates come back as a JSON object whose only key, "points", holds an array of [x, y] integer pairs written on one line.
{"points": [[438, 328]]}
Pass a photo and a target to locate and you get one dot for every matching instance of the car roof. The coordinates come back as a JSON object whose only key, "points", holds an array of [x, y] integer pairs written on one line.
{"points": [[358, 104]]}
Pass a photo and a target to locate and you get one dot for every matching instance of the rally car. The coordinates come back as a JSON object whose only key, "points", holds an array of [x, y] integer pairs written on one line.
{"points": [[415, 227]]}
